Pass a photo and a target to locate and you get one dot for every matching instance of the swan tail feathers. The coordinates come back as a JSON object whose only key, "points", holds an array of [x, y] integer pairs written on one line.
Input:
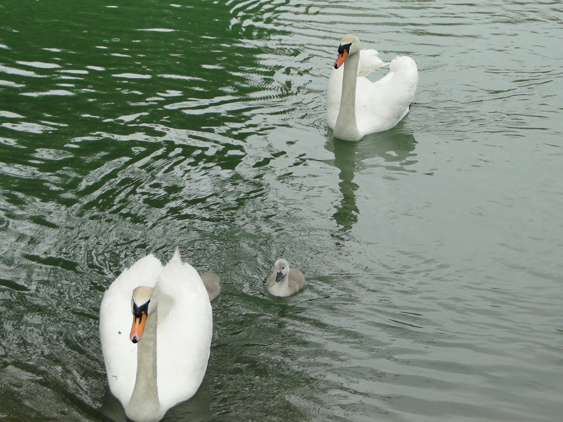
{"points": [[403, 63], [176, 256]]}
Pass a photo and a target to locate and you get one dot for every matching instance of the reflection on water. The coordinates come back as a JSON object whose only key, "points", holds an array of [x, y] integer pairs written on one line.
{"points": [[197, 409], [392, 149]]}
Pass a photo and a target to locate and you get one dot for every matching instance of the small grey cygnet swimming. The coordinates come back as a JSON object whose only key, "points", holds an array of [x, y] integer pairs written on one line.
{"points": [[285, 281], [212, 284]]}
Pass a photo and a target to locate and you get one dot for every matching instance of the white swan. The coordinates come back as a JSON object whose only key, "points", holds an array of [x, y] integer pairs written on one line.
{"points": [[168, 361], [285, 281], [355, 105]]}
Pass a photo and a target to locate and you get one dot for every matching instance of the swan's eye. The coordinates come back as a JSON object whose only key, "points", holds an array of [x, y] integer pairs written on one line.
{"points": [[138, 310], [346, 47]]}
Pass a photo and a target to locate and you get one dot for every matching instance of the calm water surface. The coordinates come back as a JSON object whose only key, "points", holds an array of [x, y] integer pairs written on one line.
{"points": [[433, 250]]}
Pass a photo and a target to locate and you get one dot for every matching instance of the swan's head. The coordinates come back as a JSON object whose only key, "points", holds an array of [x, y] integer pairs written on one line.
{"points": [[140, 304], [282, 269], [349, 44]]}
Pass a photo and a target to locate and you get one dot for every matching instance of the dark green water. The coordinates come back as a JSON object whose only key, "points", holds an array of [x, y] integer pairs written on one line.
{"points": [[432, 251]]}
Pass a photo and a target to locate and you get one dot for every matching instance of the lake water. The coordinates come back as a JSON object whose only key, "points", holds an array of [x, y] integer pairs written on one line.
{"points": [[433, 251]]}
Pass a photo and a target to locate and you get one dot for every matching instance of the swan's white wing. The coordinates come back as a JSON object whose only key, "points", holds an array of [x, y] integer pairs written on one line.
{"points": [[382, 104], [120, 354], [184, 332], [369, 62]]}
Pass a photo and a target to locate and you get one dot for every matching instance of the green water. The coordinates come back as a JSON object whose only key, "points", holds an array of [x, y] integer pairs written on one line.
{"points": [[432, 251]]}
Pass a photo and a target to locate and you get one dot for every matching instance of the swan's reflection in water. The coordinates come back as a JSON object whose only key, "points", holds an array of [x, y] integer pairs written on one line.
{"points": [[196, 409], [394, 147]]}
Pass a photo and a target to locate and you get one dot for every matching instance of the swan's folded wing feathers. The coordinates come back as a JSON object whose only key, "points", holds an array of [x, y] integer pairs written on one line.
{"points": [[184, 336], [385, 102], [296, 279]]}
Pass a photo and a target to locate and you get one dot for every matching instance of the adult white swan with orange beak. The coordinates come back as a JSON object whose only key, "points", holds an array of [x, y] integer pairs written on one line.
{"points": [[357, 106], [155, 329]]}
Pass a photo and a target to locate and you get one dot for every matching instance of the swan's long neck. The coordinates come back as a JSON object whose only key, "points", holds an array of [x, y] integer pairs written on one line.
{"points": [[144, 400], [346, 127]]}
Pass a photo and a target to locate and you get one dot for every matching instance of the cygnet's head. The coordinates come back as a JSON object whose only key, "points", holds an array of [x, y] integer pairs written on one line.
{"points": [[140, 307], [349, 44], [282, 269]]}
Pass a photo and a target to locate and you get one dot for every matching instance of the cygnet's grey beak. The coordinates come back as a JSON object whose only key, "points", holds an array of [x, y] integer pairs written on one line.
{"points": [[279, 276]]}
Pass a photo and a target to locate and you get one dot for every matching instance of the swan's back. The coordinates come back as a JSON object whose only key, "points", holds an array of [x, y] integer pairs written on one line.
{"points": [[184, 332], [120, 354], [380, 105], [296, 279]]}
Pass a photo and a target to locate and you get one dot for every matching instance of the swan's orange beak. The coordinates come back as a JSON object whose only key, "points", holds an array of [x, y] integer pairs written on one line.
{"points": [[341, 57], [138, 327]]}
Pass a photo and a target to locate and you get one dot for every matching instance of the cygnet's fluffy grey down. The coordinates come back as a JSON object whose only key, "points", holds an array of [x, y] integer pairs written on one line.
{"points": [[285, 281], [211, 281]]}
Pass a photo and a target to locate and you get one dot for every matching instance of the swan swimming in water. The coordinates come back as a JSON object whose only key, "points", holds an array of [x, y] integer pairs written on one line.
{"points": [[285, 281], [355, 105], [155, 329], [211, 282]]}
